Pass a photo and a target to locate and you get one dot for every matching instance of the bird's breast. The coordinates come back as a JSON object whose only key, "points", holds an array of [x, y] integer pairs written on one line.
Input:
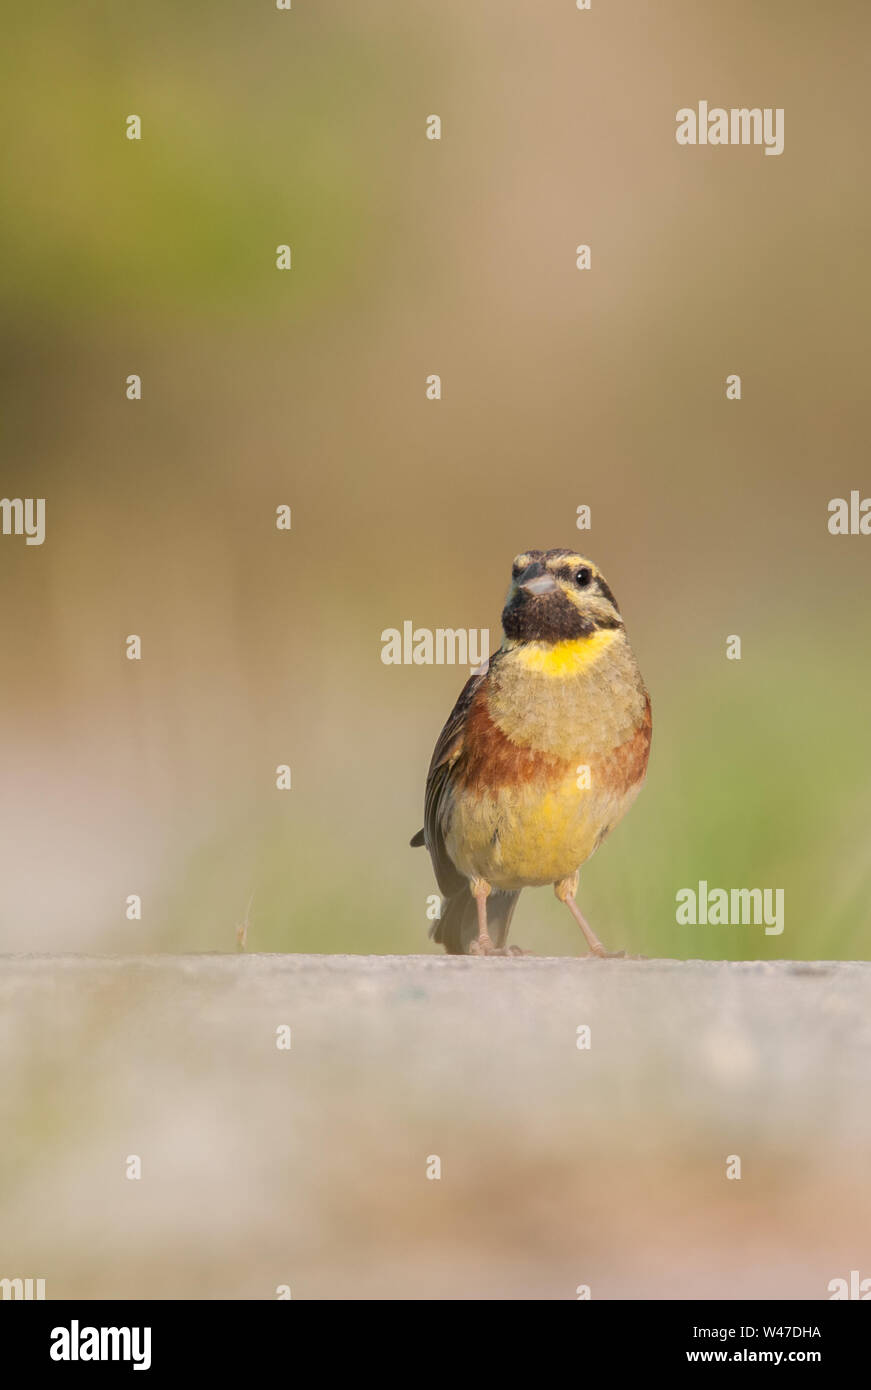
{"points": [[550, 762]]}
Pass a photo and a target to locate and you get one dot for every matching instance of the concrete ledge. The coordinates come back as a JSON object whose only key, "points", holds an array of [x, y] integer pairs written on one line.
{"points": [[604, 1165]]}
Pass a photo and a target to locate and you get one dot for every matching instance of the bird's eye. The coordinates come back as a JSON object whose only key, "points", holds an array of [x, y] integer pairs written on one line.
{"points": [[583, 577]]}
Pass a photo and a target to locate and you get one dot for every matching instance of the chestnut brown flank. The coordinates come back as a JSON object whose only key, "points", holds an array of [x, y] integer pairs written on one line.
{"points": [[621, 769], [491, 760]]}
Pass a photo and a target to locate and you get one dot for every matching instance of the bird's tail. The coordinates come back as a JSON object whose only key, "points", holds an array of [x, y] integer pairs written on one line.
{"points": [[457, 927]]}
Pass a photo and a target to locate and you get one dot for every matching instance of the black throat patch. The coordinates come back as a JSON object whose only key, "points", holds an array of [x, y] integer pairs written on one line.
{"points": [[549, 618]]}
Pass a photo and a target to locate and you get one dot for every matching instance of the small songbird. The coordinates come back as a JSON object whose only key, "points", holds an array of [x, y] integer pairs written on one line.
{"points": [[541, 756]]}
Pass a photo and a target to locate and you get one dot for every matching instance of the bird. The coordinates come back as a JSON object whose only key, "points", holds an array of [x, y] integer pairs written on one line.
{"points": [[543, 753]]}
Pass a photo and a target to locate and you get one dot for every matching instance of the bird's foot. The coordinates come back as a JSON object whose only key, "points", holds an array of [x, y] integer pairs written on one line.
{"points": [[483, 947], [487, 948], [611, 955]]}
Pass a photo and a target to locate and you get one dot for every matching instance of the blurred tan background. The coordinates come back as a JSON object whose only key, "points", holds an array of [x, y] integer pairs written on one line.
{"points": [[560, 388]]}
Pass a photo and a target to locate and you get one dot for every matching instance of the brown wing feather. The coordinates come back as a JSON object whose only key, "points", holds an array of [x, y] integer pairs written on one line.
{"points": [[448, 749]]}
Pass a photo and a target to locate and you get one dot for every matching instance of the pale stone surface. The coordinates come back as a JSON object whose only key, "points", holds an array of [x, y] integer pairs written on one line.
{"points": [[560, 1167]]}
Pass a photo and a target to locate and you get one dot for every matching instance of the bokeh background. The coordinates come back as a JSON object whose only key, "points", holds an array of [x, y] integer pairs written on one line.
{"points": [[307, 387], [560, 388]]}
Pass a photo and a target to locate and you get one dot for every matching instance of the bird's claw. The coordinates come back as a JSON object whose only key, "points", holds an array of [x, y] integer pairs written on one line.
{"points": [[486, 948], [612, 955]]}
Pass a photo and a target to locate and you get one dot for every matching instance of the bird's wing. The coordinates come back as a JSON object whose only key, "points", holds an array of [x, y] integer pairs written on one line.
{"points": [[447, 751]]}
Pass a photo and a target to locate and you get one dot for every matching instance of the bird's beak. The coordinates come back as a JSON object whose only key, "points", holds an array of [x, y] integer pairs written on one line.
{"points": [[540, 584]]}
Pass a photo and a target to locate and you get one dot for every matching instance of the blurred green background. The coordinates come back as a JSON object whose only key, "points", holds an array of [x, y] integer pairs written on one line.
{"points": [[412, 257]]}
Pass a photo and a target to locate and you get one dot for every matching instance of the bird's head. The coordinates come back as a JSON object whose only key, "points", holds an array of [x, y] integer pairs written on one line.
{"points": [[557, 596]]}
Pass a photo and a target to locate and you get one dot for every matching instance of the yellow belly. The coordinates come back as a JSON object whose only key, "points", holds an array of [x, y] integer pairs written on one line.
{"points": [[524, 837]]}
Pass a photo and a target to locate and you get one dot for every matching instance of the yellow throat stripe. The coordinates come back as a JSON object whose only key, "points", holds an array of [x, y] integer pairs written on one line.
{"points": [[565, 658]]}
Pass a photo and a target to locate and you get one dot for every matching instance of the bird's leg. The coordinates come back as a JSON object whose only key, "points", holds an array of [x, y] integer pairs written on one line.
{"points": [[565, 891], [481, 891]]}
